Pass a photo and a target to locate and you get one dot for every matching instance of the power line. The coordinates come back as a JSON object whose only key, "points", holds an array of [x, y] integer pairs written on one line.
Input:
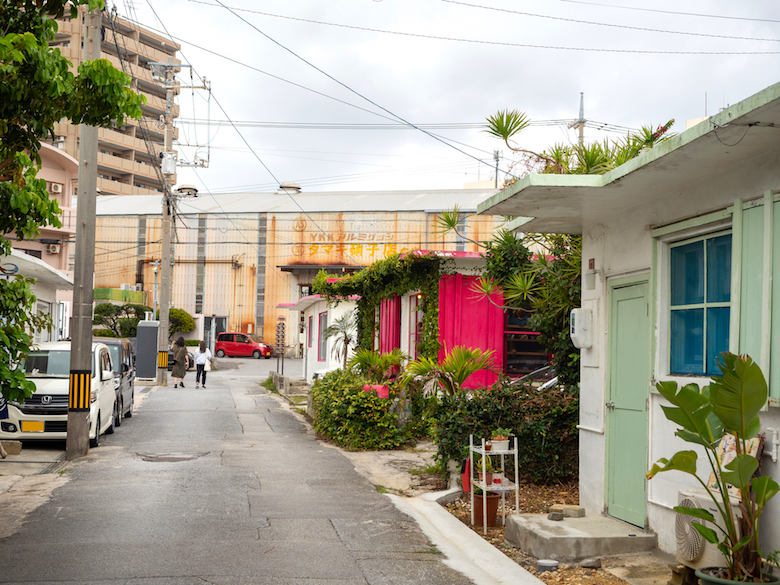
{"points": [[498, 43], [672, 12], [590, 22]]}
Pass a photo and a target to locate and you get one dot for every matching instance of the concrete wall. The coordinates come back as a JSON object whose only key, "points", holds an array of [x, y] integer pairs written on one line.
{"points": [[621, 245], [311, 363]]}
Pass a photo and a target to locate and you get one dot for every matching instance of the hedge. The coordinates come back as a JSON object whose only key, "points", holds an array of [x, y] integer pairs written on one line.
{"points": [[545, 424], [351, 418]]}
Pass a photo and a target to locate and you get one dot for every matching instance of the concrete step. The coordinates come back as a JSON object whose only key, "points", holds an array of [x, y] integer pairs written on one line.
{"points": [[574, 539]]}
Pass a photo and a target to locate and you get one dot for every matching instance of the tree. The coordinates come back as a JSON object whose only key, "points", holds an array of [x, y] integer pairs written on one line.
{"points": [[179, 321], [37, 89], [343, 330], [121, 319]]}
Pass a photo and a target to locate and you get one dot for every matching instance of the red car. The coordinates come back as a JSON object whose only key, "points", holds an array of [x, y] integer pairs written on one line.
{"points": [[240, 344]]}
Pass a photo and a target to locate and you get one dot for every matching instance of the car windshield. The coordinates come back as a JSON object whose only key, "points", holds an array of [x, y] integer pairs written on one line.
{"points": [[115, 361], [48, 364]]}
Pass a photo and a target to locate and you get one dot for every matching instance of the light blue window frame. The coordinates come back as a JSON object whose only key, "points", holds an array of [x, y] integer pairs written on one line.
{"points": [[699, 303]]}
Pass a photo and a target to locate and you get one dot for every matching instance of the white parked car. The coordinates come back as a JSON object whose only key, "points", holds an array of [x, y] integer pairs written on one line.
{"points": [[44, 415]]}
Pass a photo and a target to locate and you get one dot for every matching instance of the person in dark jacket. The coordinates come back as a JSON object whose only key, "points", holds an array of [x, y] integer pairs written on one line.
{"points": [[179, 362]]}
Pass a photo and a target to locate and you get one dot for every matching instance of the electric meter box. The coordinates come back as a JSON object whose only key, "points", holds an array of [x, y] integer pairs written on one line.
{"points": [[581, 328]]}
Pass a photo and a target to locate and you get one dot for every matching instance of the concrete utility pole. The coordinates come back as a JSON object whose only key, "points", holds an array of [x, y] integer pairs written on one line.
{"points": [[580, 123], [168, 202], [77, 441]]}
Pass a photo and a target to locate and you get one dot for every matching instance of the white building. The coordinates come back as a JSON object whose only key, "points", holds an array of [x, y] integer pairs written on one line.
{"points": [[680, 249]]}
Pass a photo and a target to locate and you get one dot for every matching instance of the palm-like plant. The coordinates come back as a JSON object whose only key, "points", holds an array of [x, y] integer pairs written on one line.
{"points": [[343, 330], [378, 368], [451, 373]]}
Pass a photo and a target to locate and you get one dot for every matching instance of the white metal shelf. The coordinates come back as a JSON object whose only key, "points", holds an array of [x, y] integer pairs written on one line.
{"points": [[502, 488]]}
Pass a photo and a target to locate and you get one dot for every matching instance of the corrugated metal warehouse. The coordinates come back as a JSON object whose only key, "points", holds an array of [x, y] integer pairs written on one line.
{"points": [[236, 256]]}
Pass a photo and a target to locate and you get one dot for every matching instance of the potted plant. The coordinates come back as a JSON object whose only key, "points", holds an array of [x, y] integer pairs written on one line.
{"points": [[500, 440], [492, 500], [484, 467], [726, 410]]}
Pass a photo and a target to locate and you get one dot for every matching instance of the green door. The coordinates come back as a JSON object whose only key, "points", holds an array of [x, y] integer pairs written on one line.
{"points": [[626, 410]]}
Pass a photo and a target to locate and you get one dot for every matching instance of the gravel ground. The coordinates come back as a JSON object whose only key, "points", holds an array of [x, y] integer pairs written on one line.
{"points": [[537, 499]]}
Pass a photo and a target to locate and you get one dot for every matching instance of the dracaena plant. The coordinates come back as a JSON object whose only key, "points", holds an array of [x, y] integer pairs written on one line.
{"points": [[728, 406]]}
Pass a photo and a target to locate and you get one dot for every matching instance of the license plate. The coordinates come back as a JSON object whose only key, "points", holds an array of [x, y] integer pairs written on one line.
{"points": [[32, 426]]}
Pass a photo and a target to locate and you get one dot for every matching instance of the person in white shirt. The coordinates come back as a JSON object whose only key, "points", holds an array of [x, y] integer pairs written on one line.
{"points": [[202, 355]]}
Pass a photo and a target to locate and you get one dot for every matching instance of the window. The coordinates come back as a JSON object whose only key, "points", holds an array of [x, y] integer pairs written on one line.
{"points": [[415, 324], [322, 346], [700, 303], [311, 331]]}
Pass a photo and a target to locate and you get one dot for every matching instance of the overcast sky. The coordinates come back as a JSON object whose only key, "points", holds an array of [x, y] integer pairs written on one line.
{"points": [[307, 63]]}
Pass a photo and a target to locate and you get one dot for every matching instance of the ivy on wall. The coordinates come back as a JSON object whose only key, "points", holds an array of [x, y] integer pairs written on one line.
{"points": [[394, 275]]}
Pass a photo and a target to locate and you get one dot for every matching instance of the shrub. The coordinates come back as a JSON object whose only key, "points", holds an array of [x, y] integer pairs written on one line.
{"points": [[191, 342], [545, 425], [351, 418], [103, 333]]}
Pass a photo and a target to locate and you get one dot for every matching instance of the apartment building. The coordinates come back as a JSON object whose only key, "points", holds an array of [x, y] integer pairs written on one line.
{"points": [[128, 156]]}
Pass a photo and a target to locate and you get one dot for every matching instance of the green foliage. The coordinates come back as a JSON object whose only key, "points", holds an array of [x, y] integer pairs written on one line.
{"points": [[505, 256], [727, 409], [394, 275], [343, 332], [19, 317], [37, 89], [548, 285], [352, 418], [191, 342], [545, 425], [103, 333], [451, 373], [121, 320], [378, 368], [179, 321]]}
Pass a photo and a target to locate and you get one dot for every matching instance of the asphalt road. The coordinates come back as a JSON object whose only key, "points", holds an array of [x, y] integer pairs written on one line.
{"points": [[223, 486]]}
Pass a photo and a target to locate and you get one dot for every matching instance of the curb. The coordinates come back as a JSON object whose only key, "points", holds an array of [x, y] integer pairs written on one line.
{"points": [[466, 552]]}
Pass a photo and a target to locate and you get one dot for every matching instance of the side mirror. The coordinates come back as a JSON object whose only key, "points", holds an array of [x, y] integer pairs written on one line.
{"points": [[107, 375]]}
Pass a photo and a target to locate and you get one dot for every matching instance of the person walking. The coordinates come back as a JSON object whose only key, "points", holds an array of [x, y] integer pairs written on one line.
{"points": [[202, 358], [179, 362]]}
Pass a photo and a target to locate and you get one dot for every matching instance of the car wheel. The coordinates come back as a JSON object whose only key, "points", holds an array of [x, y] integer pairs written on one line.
{"points": [[93, 443], [118, 417], [112, 427], [220, 353], [256, 354], [132, 401]]}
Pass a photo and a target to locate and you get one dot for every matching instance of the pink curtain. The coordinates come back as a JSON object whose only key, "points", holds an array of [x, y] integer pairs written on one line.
{"points": [[470, 319], [390, 324]]}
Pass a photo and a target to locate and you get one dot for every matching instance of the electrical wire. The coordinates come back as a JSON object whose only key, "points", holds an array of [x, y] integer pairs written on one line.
{"points": [[590, 22], [671, 11], [500, 43]]}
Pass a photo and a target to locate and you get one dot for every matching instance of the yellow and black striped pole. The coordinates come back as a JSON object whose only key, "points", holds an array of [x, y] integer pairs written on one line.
{"points": [[162, 359], [79, 390]]}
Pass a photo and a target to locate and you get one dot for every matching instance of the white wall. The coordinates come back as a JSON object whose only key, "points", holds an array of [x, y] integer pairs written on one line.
{"points": [[622, 246], [310, 362]]}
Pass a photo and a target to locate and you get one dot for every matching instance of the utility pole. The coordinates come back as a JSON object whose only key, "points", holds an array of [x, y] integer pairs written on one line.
{"points": [[155, 293], [79, 390], [580, 122], [168, 167], [169, 172], [496, 157]]}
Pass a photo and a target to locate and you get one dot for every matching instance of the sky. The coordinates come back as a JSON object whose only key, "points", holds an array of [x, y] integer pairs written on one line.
{"points": [[323, 93]]}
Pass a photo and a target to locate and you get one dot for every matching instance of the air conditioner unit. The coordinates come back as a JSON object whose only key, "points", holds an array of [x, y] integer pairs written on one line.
{"points": [[692, 549], [125, 287], [56, 188], [53, 248], [139, 287]]}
